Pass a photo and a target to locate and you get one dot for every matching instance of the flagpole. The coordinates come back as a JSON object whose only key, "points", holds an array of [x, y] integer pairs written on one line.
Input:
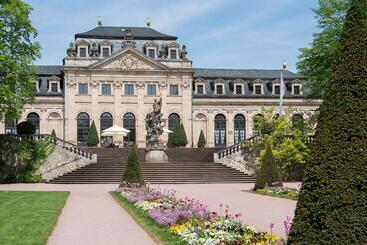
{"points": [[282, 89]]}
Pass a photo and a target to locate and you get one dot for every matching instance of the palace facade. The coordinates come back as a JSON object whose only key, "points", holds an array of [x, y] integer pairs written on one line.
{"points": [[111, 75]]}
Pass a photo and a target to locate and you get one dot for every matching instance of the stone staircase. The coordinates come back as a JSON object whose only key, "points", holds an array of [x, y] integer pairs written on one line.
{"points": [[185, 166]]}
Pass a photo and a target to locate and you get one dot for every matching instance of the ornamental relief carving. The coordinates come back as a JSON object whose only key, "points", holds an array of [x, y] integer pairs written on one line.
{"points": [[185, 85], [140, 84], [94, 84], [128, 61], [117, 84], [71, 84]]}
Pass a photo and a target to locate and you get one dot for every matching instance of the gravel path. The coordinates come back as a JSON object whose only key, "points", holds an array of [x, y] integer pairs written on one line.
{"points": [[90, 216]]}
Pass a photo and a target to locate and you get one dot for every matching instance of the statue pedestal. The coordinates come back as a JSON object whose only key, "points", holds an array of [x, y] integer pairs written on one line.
{"points": [[156, 155]]}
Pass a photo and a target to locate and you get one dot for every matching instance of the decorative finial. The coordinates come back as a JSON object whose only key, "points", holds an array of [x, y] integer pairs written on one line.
{"points": [[148, 22], [284, 65], [99, 20]]}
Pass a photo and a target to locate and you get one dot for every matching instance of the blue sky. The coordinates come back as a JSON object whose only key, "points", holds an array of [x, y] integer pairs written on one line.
{"points": [[218, 33]]}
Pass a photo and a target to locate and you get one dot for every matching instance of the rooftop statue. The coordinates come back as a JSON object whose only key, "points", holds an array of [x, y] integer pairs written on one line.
{"points": [[154, 124]]}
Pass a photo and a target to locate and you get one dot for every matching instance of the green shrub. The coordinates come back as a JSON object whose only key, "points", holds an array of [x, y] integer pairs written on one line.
{"points": [[132, 172], [26, 128], [201, 141], [170, 140], [92, 139], [268, 173], [332, 203], [180, 138]]}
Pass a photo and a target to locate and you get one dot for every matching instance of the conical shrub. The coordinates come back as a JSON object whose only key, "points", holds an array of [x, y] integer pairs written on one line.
{"points": [[132, 172], [332, 203], [92, 139], [201, 141]]}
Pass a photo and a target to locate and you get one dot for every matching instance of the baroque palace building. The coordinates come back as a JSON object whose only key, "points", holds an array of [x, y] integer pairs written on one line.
{"points": [[111, 75]]}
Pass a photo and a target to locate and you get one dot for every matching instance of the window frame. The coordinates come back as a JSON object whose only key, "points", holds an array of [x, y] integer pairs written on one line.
{"points": [[126, 85], [171, 86], [150, 49], [170, 53], [79, 88], [86, 51], [151, 86], [103, 85], [57, 87]]}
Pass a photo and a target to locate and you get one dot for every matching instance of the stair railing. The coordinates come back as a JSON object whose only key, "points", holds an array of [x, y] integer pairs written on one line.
{"points": [[235, 148], [82, 152]]}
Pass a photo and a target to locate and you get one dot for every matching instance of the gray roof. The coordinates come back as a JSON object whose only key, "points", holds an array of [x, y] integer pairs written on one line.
{"points": [[117, 32], [47, 70], [244, 73]]}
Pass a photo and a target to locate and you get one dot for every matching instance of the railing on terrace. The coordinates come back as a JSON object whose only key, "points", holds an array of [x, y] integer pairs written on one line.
{"points": [[237, 147], [57, 141]]}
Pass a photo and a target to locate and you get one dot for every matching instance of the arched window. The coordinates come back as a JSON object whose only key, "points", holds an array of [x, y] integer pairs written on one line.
{"points": [[173, 120], [34, 118], [239, 128], [11, 126], [298, 122], [129, 123], [220, 130], [106, 121], [82, 128]]}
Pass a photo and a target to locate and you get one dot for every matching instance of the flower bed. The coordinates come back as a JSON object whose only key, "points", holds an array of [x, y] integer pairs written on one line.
{"points": [[283, 192], [191, 220]]}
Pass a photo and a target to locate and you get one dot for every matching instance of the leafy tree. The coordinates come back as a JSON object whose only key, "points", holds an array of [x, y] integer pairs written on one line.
{"points": [[332, 203], [92, 139], [268, 173], [201, 142], [18, 51], [132, 172], [315, 61], [26, 127]]}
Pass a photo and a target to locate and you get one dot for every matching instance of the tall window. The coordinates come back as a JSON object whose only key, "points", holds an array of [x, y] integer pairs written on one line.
{"points": [[54, 87], [173, 89], [219, 89], [106, 121], [238, 89], [296, 90], [173, 121], [11, 126], [106, 89], [82, 128], [220, 130], [129, 89], [152, 89], [239, 128], [83, 88], [298, 122], [258, 89], [151, 53], [277, 89], [129, 123], [34, 118], [105, 52]]}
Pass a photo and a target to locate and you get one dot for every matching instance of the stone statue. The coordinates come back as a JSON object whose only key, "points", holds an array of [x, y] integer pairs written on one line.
{"points": [[184, 52], [94, 50], [154, 124], [71, 51]]}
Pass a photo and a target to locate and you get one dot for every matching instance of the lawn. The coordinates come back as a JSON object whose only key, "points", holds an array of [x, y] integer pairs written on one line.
{"points": [[29, 217], [160, 234]]}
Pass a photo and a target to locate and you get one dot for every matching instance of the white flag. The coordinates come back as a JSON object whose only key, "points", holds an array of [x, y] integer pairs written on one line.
{"points": [[281, 95]]}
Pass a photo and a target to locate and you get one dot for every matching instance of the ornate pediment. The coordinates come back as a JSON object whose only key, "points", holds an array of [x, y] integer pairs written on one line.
{"points": [[128, 59]]}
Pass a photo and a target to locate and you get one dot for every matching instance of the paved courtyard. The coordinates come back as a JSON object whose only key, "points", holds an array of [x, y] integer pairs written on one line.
{"points": [[91, 216]]}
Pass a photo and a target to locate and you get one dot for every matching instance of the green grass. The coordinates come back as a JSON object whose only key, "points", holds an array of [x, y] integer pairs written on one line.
{"points": [[29, 217], [158, 233], [285, 196]]}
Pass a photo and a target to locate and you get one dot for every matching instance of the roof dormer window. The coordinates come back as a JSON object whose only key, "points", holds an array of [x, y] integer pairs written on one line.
{"points": [[276, 87], [258, 87], [173, 54], [152, 52], [54, 84], [219, 86], [296, 87], [106, 52], [82, 52], [238, 87], [200, 86], [105, 48]]}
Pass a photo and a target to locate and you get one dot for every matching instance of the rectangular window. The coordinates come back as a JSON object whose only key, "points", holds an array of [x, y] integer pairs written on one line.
{"points": [[152, 89], [238, 89], [173, 90], [258, 89], [151, 53], [54, 88], [296, 90], [105, 52], [199, 89], [219, 89], [129, 89], [83, 88], [173, 54], [106, 89], [276, 89], [83, 52]]}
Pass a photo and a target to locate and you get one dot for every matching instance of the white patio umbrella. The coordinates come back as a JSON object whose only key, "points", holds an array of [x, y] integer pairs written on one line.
{"points": [[115, 131]]}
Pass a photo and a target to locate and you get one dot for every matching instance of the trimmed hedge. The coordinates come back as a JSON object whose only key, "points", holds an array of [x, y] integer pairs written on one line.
{"points": [[332, 203], [132, 172], [26, 128], [92, 139], [268, 173], [201, 141]]}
